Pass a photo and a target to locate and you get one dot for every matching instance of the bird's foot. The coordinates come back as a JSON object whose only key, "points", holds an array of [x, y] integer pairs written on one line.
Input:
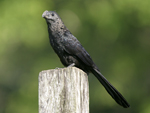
{"points": [[71, 65]]}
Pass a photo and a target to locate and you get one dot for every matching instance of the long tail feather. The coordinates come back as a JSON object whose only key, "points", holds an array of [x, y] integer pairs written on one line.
{"points": [[110, 89]]}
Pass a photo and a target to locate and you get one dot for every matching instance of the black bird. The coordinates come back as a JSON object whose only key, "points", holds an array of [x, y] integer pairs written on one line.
{"points": [[72, 53]]}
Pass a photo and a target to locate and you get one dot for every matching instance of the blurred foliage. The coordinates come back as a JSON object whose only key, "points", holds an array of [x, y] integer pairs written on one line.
{"points": [[116, 33]]}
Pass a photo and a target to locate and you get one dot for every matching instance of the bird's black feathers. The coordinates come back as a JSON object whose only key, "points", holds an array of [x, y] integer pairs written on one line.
{"points": [[111, 89], [70, 51]]}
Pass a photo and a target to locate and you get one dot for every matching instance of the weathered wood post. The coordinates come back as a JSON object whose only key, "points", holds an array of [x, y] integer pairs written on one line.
{"points": [[64, 90]]}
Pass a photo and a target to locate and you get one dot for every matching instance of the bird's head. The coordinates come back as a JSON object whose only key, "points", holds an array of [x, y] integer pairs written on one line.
{"points": [[51, 17], [53, 20]]}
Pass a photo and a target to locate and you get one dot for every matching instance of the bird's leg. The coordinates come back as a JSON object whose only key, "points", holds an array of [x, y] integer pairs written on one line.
{"points": [[71, 65]]}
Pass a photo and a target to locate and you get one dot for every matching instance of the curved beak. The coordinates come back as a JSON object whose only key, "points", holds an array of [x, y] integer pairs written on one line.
{"points": [[45, 14]]}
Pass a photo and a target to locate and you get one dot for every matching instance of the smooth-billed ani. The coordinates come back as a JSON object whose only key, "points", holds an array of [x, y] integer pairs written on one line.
{"points": [[72, 53]]}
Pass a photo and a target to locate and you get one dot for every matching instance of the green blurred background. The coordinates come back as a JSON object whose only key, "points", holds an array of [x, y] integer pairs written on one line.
{"points": [[116, 33]]}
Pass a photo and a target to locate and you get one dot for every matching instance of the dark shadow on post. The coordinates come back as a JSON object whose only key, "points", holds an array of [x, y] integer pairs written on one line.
{"points": [[64, 90]]}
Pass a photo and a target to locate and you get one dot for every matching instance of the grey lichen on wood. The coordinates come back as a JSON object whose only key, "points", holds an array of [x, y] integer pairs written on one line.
{"points": [[63, 90]]}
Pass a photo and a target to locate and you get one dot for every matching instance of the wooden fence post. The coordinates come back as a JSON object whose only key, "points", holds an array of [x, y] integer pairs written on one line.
{"points": [[63, 90]]}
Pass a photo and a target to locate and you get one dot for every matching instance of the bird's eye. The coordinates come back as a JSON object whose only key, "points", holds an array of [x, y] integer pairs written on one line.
{"points": [[52, 14]]}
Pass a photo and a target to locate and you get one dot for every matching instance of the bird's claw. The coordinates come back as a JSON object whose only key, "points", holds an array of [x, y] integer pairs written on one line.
{"points": [[71, 65]]}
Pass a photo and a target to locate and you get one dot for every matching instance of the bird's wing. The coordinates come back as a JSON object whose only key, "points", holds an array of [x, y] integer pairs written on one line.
{"points": [[72, 46]]}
